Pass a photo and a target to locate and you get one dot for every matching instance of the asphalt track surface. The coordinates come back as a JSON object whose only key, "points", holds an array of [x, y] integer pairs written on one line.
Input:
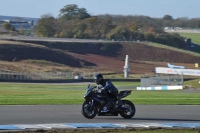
{"points": [[50, 114]]}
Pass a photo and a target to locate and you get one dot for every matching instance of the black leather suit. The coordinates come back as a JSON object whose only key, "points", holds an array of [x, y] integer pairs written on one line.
{"points": [[110, 88]]}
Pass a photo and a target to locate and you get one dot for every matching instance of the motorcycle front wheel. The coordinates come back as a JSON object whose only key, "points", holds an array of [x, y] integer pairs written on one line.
{"points": [[89, 111], [129, 109]]}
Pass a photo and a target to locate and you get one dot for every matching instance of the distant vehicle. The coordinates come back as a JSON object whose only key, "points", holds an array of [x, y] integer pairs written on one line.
{"points": [[173, 66], [166, 28]]}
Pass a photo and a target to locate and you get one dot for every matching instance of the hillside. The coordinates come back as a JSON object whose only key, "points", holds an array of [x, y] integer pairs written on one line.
{"points": [[101, 57]]}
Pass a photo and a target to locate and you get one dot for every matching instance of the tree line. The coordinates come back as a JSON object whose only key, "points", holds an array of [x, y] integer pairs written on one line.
{"points": [[75, 22]]}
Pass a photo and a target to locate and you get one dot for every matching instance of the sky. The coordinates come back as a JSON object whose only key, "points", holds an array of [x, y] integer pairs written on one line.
{"points": [[152, 8]]}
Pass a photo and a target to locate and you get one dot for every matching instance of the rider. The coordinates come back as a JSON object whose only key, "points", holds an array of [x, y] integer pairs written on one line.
{"points": [[106, 85]]}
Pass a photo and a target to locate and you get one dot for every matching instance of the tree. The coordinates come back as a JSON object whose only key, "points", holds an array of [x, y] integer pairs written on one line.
{"points": [[119, 33], [168, 17], [8, 26], [105, 25], [132, 26], [198, 24], [93, 27], [46, 26], [79, 30], [72, 11], [149, 36]]}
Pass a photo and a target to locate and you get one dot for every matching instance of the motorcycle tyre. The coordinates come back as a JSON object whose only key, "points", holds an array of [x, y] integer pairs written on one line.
{"points": [[87, 116], [133, 108]]}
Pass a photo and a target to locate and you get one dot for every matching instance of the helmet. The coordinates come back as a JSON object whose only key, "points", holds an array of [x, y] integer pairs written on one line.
{"points": [[99, 79]]}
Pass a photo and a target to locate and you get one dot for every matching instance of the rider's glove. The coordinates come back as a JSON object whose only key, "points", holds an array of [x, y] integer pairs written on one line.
{"points": [[99, 86], [100, 90]]}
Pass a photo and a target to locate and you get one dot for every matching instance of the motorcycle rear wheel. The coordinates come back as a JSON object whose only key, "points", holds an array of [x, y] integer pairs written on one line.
{"points": [[89, 111], [130, 111]]}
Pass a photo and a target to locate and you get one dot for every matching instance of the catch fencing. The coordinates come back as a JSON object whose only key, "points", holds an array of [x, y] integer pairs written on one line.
{"points": [[165, 80]]}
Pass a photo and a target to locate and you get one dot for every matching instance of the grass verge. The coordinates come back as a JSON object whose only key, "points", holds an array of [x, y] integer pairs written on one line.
{"points": [[194, 36], [46, 94], [193, 83]]}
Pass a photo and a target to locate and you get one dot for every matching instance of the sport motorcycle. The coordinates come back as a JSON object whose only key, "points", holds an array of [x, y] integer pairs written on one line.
{"points": [[102, 104]]}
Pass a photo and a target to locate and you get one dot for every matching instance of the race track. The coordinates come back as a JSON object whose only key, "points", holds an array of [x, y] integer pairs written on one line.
{"points": [[47, 114]]}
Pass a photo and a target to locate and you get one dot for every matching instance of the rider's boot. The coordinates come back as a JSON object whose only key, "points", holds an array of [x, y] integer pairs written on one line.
{"points": [[119, 103]]}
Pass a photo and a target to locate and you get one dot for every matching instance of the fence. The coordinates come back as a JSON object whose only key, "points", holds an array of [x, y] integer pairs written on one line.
{"points": [[162, 80], [193, 83], [44, 76]]}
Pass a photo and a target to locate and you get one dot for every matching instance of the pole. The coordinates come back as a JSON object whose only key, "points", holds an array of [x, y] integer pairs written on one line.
{"points": [[126, 67]]}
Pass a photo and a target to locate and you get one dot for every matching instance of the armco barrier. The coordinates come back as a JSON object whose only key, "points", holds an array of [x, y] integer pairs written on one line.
{"points": [[161, 88]]}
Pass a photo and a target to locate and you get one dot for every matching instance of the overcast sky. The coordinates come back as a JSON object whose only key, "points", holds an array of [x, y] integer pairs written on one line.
{"points": [[152, 8]]}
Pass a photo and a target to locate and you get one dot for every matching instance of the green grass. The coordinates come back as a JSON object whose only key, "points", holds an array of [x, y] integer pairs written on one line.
{"points": [[25, 32], [45, 94], [194, 36], [193, 83]]}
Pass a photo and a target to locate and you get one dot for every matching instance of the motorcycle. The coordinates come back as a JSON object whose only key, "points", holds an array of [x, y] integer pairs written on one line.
{"points": [[102, 104]]}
